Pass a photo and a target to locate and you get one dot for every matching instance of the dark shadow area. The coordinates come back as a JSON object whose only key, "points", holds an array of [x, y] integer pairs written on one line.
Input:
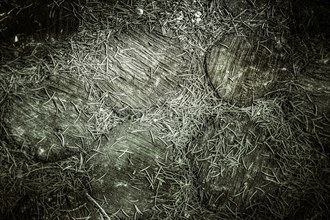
{"points": [[311, 18], [40, 20]]}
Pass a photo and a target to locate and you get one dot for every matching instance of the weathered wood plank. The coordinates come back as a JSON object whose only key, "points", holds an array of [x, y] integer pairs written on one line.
{"points": [[142, 69], [48, 121], [125, 167], [312, 96], [53, 121], [242, 70], [249, 169]]}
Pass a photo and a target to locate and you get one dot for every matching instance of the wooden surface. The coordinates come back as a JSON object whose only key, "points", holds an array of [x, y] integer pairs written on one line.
{"points": [[125, 178], [231, 173], [48, 121], [55, 121], [312, 91], [242, 70], [140, 70]]}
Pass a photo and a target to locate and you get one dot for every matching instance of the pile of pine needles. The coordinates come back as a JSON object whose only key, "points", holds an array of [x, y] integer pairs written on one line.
{"points": [[51, 190]]}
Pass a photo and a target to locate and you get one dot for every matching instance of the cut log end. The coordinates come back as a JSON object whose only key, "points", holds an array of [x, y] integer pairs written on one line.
{"points": [[241, 72]]}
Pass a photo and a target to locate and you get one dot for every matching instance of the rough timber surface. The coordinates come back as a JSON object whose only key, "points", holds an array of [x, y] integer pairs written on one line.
{"points": [[230, 172], [139, 69], [54, 123], [47, 121], [313, 93], [125, 167], [316, 84], [244, 69], [247, 168]]}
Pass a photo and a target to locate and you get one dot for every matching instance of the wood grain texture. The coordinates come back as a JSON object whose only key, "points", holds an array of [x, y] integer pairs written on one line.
{"points": [[312, 101], [241, 70], [48, 122], [230, 172], [141, 69], [125, 168]]}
